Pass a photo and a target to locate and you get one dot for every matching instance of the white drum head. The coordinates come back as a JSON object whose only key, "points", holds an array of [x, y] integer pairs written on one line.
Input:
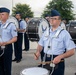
{"points": [[35, 71]]}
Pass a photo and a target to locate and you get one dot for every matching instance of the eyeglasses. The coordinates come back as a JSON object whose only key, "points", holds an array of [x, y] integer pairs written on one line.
{"points": [[54, 18]]}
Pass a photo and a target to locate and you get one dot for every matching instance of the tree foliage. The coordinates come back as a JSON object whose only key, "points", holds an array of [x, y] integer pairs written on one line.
{"points": [[63, 6], [24, 9]]}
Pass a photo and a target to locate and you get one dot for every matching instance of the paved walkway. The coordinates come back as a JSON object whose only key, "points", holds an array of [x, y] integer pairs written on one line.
{"points": [[28, 61]]}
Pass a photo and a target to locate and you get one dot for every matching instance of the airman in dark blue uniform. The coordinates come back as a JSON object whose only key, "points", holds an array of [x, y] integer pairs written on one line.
{"points": [[8, 35], [18, 44], [26, 40], [55, 41]]}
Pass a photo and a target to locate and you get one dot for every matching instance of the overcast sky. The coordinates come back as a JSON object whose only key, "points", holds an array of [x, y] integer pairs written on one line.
{"points": [[37, 6]]}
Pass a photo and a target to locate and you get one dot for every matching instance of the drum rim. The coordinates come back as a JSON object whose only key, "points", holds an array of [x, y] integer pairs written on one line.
{"points": [[34, 68]]}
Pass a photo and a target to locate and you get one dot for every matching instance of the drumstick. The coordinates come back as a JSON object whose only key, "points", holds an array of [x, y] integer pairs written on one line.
{"points": [[35, 55], [48, 62]]}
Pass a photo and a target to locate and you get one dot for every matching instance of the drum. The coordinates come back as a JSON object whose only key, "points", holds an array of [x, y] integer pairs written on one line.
{"points": [[35, 71], [36, 27]]}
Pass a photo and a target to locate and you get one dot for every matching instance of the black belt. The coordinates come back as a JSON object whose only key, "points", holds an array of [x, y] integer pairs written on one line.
{"points": [[48, 55]]}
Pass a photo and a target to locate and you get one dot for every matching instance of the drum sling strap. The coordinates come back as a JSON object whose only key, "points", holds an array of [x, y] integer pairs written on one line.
{"points": [[49, 40]]}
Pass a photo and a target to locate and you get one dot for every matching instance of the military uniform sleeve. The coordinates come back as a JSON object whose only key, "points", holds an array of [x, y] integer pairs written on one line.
{"points": [[13, 30], [69, 43], [41, 41], [23, 24]]}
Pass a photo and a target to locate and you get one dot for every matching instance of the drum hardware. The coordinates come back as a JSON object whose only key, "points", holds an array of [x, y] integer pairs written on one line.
{"points": [[33, 26], [52, 65], [33, 33], [33, 39]]}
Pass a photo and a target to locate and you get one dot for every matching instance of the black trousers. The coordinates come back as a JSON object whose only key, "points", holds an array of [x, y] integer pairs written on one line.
{"points": [[6, 61], [26, 42], [42, 54], [18, 47], [59, 69]]}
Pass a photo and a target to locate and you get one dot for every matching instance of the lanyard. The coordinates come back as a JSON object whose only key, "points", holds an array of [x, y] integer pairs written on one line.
{"points": [[49, 41]]}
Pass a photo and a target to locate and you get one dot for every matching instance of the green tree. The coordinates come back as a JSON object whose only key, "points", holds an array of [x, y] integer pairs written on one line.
{"points": [[24, 9], [63, 6]]}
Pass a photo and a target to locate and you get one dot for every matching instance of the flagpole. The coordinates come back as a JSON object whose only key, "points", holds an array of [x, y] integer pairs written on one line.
{"points": [[12, 6]]}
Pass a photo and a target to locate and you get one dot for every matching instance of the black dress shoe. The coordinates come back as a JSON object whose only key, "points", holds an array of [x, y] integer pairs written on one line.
{"points": [[17, 61], [14, 60], [27, 50], [23, 50]]}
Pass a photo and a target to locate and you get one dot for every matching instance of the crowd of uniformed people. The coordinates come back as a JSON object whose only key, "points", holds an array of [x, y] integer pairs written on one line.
{"points": [[18, 43], [54, 45]]}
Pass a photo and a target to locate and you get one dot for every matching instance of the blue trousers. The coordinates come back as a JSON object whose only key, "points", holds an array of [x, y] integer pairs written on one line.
{"points": [[26, 42], [6, 60], [18, 47], [42, 54]]}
